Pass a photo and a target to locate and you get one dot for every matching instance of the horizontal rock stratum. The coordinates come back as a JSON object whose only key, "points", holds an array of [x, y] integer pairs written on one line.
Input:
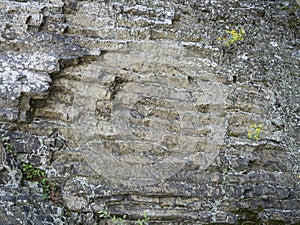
{"points": [[167, 112]]}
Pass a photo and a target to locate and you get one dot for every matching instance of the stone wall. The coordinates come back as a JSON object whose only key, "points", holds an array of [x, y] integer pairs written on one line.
{"points": [[187, 110]]}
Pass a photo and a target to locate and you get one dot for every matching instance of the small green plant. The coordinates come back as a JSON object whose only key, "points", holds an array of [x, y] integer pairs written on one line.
{"points": [[104, 214], [7, 145], [145, 220], [7, 152], [32, 173], [47, 187], [232, 37], [119, 221], [254, 131]]}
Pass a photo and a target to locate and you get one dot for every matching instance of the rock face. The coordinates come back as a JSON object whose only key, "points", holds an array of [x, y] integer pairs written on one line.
{"points": [[187, 110]]}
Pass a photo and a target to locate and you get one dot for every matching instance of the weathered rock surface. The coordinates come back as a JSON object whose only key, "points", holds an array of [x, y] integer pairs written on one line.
{"points": [[140, 106]]}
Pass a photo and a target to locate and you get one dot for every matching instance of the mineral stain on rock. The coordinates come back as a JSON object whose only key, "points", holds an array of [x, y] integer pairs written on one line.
{"points": [[146, 106]]}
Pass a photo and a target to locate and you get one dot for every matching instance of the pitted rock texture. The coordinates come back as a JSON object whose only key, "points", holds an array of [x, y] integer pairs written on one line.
{"points": [[139, 106]]}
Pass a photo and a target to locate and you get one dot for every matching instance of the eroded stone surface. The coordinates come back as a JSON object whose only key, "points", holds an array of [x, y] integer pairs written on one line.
{"points": [[136, 106]]}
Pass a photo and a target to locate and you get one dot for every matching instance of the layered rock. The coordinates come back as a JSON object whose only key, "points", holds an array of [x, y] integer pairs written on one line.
{"points": [[134, 106]]}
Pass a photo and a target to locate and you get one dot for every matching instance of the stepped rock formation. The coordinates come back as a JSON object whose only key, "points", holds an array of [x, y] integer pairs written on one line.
{"points": [[187, 110]]}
